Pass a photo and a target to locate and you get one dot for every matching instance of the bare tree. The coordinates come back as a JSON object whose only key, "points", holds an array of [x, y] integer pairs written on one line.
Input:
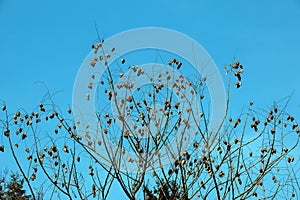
{"points": [[155, 141]]}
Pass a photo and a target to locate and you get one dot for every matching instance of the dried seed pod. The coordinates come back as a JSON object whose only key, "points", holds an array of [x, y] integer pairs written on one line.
{"points": [[237, 140], [239, 77], [259, 183], [263, 150], [109, 95], [93, 63], [277, 169], [228, 146], [273, 151], [235, 65], [196, 144], [238, 84], [129, 99], [293, 194], [290, 159], [295, 126], [179, 65], [66, 150], [7, 132], [24, 135], [273, 131], [221, 174], [105, 131], [292, 118], [240, 71], [33, 177], [51, 116], [235, 124], [240, 181], [94, 190]]}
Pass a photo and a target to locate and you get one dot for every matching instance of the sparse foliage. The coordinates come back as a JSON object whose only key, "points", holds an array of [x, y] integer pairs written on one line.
{"points": [[13, 189]]}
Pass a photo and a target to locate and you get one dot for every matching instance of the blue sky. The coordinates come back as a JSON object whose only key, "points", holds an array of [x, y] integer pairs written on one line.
{"points": [[47, 41]]}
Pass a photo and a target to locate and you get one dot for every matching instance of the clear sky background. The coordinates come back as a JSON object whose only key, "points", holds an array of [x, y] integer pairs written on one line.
{"points": [[47, 41]]}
